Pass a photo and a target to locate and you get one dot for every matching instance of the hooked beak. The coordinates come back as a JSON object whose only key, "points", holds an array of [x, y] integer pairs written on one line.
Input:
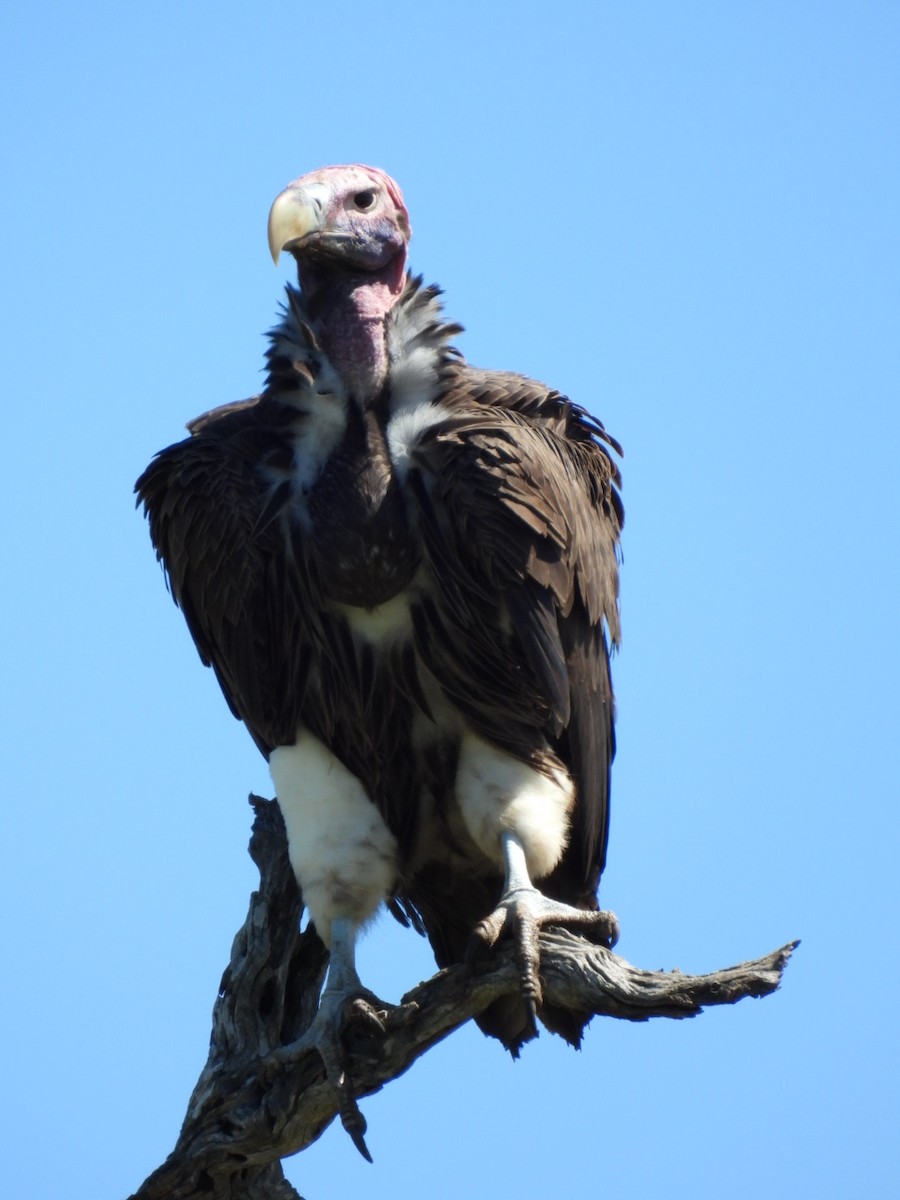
{"points": [[296, 213]]}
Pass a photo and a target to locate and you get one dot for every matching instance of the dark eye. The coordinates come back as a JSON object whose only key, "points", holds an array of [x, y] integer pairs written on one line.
{"points": [[364, 200]]}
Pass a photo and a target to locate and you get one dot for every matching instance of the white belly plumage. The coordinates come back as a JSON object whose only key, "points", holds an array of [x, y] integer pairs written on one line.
{"points": [[345, 856]]}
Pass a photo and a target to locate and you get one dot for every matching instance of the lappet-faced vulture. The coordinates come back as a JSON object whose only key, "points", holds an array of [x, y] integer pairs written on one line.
{"points": [[403, 571]]}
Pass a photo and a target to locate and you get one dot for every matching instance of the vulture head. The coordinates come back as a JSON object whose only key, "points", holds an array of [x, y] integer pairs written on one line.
{"points": [[342, 221], [348, 231]]}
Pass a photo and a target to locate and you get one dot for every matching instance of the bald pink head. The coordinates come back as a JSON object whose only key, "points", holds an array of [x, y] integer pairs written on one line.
{"points": [[352, 216], [347, 227]]}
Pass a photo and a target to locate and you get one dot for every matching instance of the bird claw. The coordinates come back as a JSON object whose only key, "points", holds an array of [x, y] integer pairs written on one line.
{"points": [[353, 1121], [523, 911], [515, 915], [360, 1011], [337, 1012]]}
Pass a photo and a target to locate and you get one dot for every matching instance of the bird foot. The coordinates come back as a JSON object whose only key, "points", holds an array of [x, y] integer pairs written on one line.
{"points": [[340, 1011], [522, 912]]}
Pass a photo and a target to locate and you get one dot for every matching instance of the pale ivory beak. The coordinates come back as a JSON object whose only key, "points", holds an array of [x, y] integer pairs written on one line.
{"points": [[297, 211]]}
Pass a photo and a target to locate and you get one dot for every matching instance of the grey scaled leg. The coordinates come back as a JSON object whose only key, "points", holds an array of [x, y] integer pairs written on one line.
{"points": [[344, 1002], [523, 910]]}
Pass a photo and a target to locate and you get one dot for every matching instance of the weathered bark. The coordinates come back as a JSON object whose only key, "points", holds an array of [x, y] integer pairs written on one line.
{"points": [[259, 1099]]}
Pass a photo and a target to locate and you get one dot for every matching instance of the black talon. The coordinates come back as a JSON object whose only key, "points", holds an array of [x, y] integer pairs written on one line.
{"points": [[353, 1121]]}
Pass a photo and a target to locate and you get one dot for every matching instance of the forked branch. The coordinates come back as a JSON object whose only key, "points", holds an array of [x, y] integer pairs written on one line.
{"points": [[258, 1100]]}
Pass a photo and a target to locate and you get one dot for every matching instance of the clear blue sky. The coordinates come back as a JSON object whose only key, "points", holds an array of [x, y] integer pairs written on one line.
{"points": [[684, 215]]}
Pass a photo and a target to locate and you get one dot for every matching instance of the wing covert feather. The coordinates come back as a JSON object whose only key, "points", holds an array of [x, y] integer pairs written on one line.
{"points": [[226, 571]]}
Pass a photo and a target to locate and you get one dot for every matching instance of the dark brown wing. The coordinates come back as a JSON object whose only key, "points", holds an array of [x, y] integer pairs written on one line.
{"points": [[246, 579], [216, 529], [520, 523]]}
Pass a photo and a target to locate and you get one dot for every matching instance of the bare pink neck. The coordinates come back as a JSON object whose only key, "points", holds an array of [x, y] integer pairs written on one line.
{"points": [[351, 317]]}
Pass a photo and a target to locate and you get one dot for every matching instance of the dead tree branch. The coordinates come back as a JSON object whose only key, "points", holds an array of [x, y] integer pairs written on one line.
{"points": [[258, 1100]]}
